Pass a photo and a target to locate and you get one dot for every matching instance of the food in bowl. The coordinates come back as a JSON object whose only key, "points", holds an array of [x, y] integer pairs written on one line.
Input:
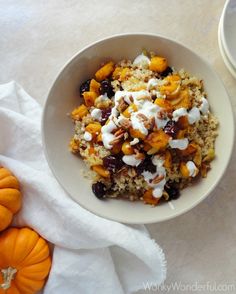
{"points": [[144, 130]]}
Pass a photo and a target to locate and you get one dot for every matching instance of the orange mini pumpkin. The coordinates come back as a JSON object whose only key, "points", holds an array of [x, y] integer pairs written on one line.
{"points": [[24, 261], [10, 197]]}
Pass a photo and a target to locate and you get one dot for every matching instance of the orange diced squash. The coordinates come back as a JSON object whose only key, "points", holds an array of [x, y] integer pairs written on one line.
{"points": [[126, 148], [183, 100], [99, 138], [149, 199], [190, 150], [124, 74], [116, 73], [158, 64], [163, 103], [89, 98], [105, 71], [94, 86], [79, 112], [99, 169], [168, 159], [184, 170], [158, 139], [93, 128], [134, 133], [74, 145], [172, 87], [131, 108]]}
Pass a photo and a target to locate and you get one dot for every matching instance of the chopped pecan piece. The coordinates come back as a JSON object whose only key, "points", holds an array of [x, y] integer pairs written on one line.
{"points": [[157, 179], [122, 105]]}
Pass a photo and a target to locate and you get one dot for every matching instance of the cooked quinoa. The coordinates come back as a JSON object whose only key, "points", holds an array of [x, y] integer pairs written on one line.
{"points": [[144, 130]]}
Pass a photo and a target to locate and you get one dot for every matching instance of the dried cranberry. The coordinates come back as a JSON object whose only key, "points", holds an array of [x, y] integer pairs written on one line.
{"points": [[105, 115], [166, 72], [172, 191], [99, 189], [146, 165], [84, 87], [107, 88], [112, 162], [171, 128]]}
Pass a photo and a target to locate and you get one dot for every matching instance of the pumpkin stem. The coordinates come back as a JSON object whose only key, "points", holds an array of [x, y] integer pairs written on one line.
{"points": [[8, 275]]}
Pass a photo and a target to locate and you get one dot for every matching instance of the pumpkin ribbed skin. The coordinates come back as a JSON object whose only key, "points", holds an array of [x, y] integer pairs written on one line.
{"points": [[28, 253], [10, 197]]}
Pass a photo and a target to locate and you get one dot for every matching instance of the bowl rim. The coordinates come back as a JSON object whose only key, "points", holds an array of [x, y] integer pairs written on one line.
{"points": [[224, 56], [115, 218], [227, 49]]}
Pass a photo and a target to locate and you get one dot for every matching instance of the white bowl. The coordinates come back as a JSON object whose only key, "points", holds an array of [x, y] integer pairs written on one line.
{"points": [[228, 36], [57, 128], [222, 47]]}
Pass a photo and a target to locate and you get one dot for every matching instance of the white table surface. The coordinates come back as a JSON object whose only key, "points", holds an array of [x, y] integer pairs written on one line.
{"points": [[38, 37]]}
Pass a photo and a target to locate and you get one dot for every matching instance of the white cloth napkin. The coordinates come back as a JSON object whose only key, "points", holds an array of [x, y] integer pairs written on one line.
{"points": [[91, 254]]}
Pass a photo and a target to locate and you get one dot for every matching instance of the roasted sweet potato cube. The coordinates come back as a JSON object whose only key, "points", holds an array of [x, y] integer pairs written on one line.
{"points": [[99, 169], [134, 133], [79, 112], [158, 139], [74, 145], [172, 87], [105, 71], [163, 103], [89, 98], [190, 150], [183, 100], [99, 138], [116, 73], [125, 73], [168, 159], [149, 199], [158, 64], [184, 170], [94, 86], [93, 128]]}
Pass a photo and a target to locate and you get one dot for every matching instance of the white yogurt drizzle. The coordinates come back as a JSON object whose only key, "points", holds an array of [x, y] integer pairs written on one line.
{"points": [[178, 113], [193, 115], [204, 107], [96, 114], [192, 169], [160, 172], [141, 60], [134, 141], [152, 83], [87, 136], [107, 135], [131, 160], [179, 143]]}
